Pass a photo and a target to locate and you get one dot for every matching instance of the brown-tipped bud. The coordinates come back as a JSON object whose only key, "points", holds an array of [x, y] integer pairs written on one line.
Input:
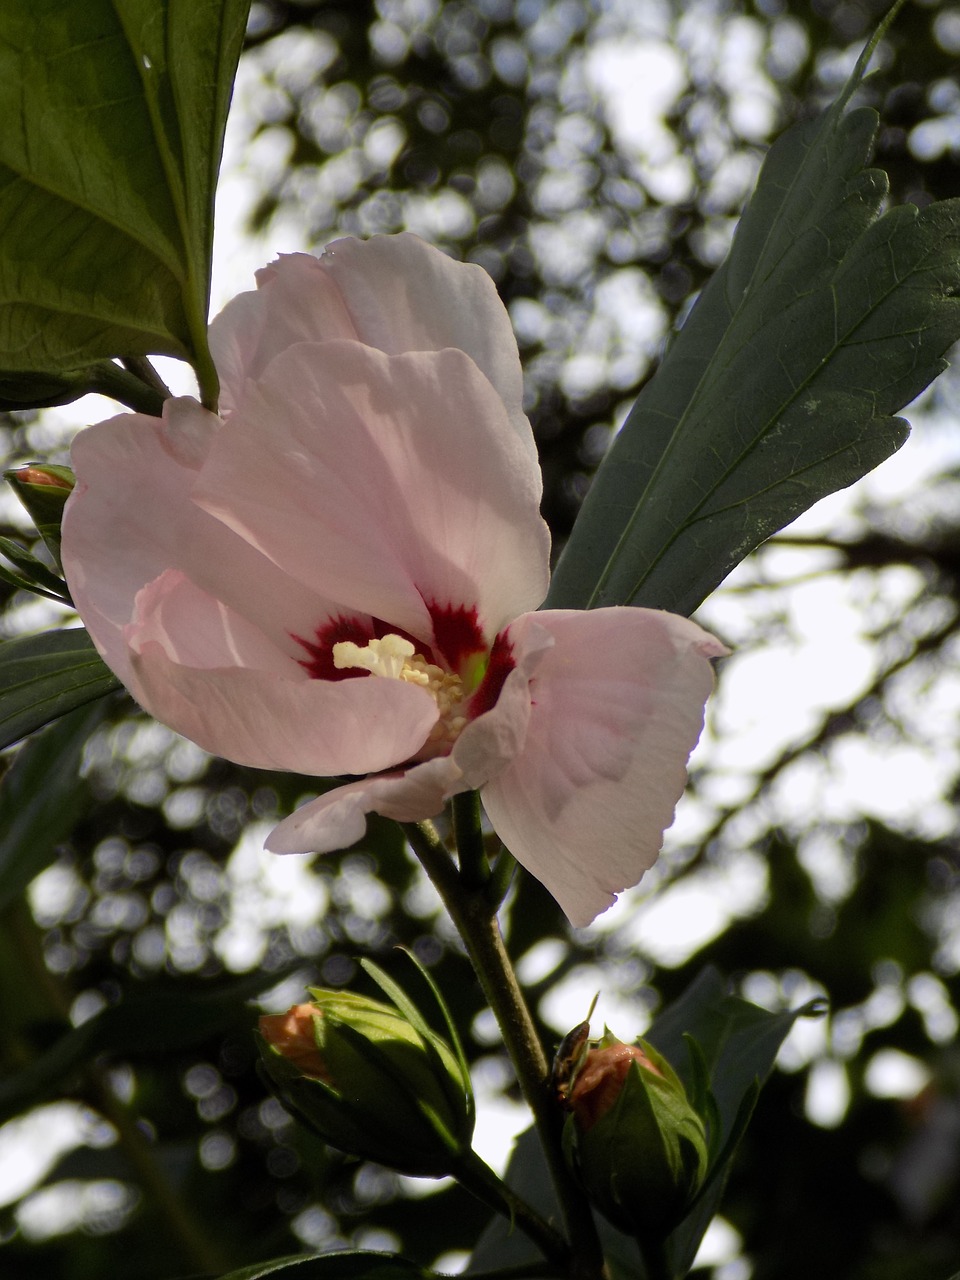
{"points": [[44, 489], [56, 477], [601, 1079], [370, 1083], [294, 1035], [633, 1139]]}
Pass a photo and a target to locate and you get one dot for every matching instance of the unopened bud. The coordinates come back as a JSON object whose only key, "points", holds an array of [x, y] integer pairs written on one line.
{"points": [[53, 476], [633, 1139], [601, 1079], [368, 1082], [294, 1035], [44, 489]]}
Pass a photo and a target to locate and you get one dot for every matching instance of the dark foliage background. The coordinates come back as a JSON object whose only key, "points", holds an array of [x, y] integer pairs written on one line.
{"points": [[481, 125]]}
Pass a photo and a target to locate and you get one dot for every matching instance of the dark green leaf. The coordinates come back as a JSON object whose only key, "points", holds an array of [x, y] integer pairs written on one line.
{"points": [[92, 1164], [157, 1019], [41, 390], [43, 677], [41, 797], [113, 116], [458, 1097], [824, 320], [22, 584], [347, 1265], [529, 1176], [36, 576], [739, 1043]]}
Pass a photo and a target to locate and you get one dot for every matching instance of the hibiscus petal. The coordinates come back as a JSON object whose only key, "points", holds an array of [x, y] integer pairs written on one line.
{"points": [[491, 742], [196, 630], [296, 300], [395, 293], [272, 721], [131, 517], [404, 295], [339, 818], [616, 709], [386, 483]]}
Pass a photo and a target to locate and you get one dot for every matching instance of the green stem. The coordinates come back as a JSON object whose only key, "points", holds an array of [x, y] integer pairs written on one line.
{"points": [[474, 867], [476, 922], [205, 369], [141, 368], [479, 1179], [109, 379], [501, 878]]}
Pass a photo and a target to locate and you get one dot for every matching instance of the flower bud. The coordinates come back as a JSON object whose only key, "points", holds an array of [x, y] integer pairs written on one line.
{"points": [[369, 1082], [633, 1139], [45, 475], [44, 489]]}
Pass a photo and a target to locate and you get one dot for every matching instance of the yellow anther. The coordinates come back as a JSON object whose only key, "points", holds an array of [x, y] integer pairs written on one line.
{"points": [[397, 659], [386, 657]]}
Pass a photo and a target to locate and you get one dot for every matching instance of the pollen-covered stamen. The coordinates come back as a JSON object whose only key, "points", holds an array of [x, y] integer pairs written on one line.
{"points": [[386, 657], [396, 659]]}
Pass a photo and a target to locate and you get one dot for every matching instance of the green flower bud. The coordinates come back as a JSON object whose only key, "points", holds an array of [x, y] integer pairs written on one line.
{"points": [[44, 489], [370, 1083], [633, 1139]]}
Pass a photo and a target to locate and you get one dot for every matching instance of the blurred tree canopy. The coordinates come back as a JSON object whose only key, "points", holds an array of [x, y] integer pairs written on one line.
{"points": [[593, 156]]}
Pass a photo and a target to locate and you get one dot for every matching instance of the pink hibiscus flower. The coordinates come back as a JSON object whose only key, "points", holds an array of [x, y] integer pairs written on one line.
{"points": [[335, 576]]}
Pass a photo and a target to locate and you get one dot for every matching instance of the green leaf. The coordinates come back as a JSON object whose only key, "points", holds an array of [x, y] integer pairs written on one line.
{"points": [[37, 577], [41, 390], [502, 1246], [739, 1043], [43, 677], [113, 115], [41, 797], [824, 320], [175, 1159], [159, 1018], [458, 1097], [348, 1265]]}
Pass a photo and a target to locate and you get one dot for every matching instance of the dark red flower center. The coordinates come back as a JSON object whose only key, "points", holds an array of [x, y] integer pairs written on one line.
{"points": [[459, 649]]}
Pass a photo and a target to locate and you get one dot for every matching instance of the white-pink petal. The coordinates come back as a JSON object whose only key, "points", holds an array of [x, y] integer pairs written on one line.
{"points": [[196, 630], [272, 721], [338, 819], [616, 708], [489, 744], [386, 483], [131, 517], [404, 295], [296, 300], [395, 293]]}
